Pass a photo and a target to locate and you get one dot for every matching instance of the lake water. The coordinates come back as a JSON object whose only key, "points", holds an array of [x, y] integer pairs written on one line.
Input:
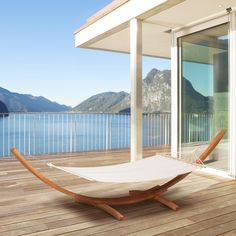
{"points": [[41, 133]]}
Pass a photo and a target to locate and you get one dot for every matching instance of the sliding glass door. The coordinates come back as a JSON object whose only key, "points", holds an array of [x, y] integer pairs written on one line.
{"points": [[204, 92]]}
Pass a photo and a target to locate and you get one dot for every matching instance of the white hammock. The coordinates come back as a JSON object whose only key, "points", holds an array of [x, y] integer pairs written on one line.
{"points": [[148, 169]]}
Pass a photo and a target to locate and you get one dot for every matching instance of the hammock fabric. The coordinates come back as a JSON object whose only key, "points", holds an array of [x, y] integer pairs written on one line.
{"points": [[157, 167], [148, 169]]}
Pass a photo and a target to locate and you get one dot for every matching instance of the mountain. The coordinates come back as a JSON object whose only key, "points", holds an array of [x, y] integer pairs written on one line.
{"points": [[104, 102], [195, 102], [16, 102], [3, 108], [156, 97], [157, 91]]}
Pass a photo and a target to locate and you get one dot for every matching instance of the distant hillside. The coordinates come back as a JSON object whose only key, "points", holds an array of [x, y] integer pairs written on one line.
{"points": [[156, 97], [104, 102], [16, 102], [195, 102], [3, 108]]}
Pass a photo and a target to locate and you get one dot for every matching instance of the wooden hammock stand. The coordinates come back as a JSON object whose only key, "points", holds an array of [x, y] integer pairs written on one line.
{"points": [[134, 196]]}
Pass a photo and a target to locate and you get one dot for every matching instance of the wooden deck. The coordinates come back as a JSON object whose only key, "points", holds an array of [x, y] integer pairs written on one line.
{"points": [[27, 206]]}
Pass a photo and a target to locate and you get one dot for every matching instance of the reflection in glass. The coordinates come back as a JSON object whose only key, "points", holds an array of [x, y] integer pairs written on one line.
{"points": [[204, 91]]}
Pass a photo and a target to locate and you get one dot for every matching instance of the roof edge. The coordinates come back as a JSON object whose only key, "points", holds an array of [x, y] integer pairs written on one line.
{"points": [[101, 13]]}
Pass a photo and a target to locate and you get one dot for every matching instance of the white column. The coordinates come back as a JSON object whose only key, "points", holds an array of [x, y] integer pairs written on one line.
{"points": [[136, 88], [174, 97], [232, 96]]}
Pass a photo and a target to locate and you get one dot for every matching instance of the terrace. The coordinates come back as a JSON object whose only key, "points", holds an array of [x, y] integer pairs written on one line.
{"points": [[207, 202], [30, 207]]}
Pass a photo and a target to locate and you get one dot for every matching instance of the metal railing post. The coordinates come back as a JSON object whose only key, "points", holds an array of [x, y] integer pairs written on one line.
{"points": [[71, 138], [3, 134], [107, 128]]}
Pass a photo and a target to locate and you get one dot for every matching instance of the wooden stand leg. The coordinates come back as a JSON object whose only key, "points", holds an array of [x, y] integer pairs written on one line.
{"points": [[110, 210], [166, 202], [158, 198]]}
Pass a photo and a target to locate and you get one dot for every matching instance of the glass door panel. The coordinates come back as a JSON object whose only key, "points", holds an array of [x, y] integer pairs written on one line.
{"points": [[204, 92]]}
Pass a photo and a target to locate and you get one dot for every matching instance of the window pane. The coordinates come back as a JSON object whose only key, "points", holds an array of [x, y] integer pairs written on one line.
{"points": [[204, 92]]}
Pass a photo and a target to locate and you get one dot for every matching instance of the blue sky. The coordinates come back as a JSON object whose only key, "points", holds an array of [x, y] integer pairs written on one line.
{"points": [[37, 53], [200, 76]]}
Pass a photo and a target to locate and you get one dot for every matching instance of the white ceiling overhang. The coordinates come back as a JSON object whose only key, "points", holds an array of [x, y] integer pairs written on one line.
{"points": [[111, 32]]}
